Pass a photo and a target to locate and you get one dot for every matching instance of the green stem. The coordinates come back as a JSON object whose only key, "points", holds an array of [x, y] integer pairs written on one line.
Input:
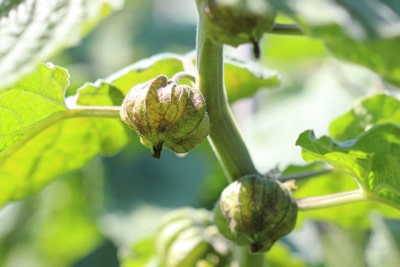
{"points": [[95, 111], [182, 75], [304, 175], [248, 259], [224, 136], [286, 29], [331, 200]]}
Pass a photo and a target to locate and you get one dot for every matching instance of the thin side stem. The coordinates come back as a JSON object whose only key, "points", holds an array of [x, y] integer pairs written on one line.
{"points": [[95, 111], [181, 75], [331, 200], [248, 259], [286, 29], [304, 175], [224, 136]]}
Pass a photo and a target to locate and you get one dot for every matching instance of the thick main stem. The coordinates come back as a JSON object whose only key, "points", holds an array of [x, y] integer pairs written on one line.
{"points": [[224, 135]]}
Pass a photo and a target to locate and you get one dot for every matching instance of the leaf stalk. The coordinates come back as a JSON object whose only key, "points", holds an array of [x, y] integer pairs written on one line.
{"points": [[331, 200]]}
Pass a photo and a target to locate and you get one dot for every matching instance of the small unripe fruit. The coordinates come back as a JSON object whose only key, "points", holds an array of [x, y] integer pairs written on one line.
{"points": [[255, 212], [187, 237], [166, 114], [236, 22]]}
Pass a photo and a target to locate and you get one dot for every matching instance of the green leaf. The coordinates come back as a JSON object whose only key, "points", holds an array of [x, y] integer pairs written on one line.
{"points": [[54, 228], [32, 31], [242, 78], [278, 52], [37, 123], [144, 70], [373, 159], [363, 149], [367, 112], [31, 100], [99, 94], [245, 78], [62, 207], [376, 54], [280, 255], [61, 148], [369, 30], [141, 254], [42, 138]]}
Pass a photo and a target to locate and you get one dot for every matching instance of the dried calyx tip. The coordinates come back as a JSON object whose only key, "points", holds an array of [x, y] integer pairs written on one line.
{"points": [[256, 49], [157, 151]]}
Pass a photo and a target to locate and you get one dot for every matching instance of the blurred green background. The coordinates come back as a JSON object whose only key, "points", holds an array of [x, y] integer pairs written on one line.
{"points": [[92, 217]]}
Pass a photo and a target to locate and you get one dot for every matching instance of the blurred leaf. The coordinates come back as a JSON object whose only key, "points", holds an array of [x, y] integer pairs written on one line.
{"points": [[369, 29], [244, 78], [281, 256], [373, 159], [384, 245], [67, 222], [342, 247], [54, 228], [32, 31], [277, 50], [146, 69], [50, 140], [142, 254], [6, 6], [373, 54], [288, 52]]}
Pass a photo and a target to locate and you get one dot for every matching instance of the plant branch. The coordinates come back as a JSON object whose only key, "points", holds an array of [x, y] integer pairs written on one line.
{"points": [[224, 136], [182, 75], [95, 111], [304, 175], [331, 200], [286, 29], [251, 259]]}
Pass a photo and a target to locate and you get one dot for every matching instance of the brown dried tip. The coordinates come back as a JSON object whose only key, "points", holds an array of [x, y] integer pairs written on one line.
{"points": [[157, 151], [256, 49]]}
